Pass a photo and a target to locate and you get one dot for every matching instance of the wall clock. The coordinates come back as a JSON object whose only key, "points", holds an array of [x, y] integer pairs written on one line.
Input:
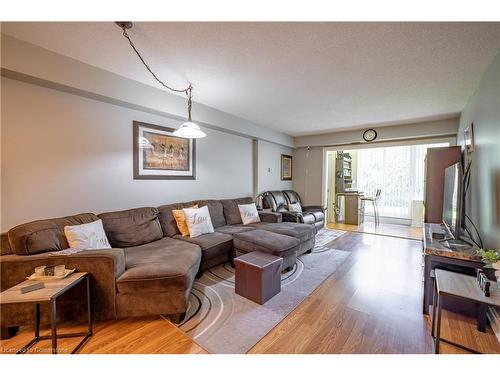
{"points": [[369, 135]]}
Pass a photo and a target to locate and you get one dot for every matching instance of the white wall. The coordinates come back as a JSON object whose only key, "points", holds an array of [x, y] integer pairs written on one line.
{"points": [[63, 154], [483, 109], [269, 166]]}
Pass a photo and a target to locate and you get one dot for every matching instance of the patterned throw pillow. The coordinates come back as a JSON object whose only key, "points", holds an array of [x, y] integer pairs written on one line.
{"points": [[198, 221], [294, 207], [180, 220], [249, 213], [88, 236]]}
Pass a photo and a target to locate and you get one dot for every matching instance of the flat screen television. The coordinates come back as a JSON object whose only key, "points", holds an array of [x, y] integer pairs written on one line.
{"points": [[452, 200]]}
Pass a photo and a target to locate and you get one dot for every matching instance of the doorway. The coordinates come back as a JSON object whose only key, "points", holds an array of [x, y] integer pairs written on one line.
{"points": [[377, 189]]}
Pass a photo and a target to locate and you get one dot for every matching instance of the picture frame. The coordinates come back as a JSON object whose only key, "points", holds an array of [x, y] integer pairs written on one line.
{"points": [[159, 155], [286, 167]]}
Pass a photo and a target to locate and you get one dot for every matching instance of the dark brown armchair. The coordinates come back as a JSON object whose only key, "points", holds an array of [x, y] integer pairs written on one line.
{"points": [[278, 201]]}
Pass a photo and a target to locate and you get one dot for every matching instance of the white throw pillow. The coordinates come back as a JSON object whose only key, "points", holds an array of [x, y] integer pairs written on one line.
{"points": [[89, 236], [249, 213], [198, 221], [294, 207]]}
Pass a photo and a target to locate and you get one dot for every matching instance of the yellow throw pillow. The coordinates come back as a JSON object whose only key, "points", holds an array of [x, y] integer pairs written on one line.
{"points": [[180, 220]]}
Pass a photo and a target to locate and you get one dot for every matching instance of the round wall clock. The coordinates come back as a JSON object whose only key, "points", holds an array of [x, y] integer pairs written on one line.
{"points": [[369, 135]]}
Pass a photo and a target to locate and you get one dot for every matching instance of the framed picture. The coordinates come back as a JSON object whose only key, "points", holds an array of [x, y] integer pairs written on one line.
{"points": [[158, 154], [286, 167]]}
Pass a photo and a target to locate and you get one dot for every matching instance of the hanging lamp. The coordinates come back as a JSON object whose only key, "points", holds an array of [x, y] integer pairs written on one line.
{"points": [[188, 129]]}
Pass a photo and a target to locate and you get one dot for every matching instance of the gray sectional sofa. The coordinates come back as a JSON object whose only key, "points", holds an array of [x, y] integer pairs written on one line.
{"points": [[150, 268]]}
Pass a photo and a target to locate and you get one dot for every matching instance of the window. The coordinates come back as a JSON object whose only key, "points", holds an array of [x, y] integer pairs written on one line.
{"points": [[398, 171]]}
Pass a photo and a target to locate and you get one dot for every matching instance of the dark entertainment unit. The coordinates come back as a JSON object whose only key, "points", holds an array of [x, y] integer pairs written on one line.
{"points": [[445, 244]]}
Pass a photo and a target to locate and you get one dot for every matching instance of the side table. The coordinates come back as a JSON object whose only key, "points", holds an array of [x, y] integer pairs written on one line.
{"points": [[454, 285], [53, 289]]}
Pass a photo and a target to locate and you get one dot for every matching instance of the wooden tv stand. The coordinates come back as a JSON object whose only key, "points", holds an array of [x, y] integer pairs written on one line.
{"points": [[463, 259]]}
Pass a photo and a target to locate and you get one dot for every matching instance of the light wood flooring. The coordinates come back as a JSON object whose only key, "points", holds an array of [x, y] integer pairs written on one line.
{"points": [[372, 304], [392, 230]]}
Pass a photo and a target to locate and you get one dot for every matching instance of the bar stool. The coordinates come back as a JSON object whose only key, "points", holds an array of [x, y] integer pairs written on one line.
{"points": [[374, 201]]}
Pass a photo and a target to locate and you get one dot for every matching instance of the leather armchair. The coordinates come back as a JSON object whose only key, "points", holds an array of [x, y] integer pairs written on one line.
{"points": [[278, 201]]}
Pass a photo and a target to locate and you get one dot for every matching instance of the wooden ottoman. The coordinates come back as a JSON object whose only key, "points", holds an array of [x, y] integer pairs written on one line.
{"points": [[258, 276], [276, 244]]}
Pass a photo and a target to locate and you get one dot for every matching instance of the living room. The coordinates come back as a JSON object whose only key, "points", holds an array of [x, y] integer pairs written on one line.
{"points": [[185, 187]]}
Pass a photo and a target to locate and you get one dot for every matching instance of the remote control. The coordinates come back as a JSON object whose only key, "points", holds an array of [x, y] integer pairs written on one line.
{"points": [[32, 287]]}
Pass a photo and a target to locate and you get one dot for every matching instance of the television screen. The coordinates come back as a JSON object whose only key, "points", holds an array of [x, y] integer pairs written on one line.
{"points": [[452, 199]]}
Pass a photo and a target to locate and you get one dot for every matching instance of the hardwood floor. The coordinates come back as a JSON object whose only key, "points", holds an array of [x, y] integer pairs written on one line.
{"points": [[392, 230], [150, 335], [372, 304]]}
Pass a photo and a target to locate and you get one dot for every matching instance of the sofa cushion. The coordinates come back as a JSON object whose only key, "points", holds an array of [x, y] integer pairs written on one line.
{"points": [[302, 232], [160, 266], [291, 196], [231, 210], [269, 242], [198, 221], [216, 211], [276, 200], [44, 235], [212, 244], [249, 213], [233, 229], [180, 220], [88, 236], [133, 227], [167, 220]]}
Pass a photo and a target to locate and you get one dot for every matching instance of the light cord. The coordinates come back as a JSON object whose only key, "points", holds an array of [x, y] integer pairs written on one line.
{"points": [[188, 90]]}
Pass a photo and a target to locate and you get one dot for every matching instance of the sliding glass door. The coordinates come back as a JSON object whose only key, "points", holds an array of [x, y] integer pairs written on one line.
{"points": [[398, 171]]}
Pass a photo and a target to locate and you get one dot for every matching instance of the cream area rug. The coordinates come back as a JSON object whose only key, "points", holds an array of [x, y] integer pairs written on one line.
{"points": [[224, 322]]}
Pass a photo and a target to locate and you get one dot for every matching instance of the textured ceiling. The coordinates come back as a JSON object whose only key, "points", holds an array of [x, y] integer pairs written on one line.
{"points": [[299, 78]]}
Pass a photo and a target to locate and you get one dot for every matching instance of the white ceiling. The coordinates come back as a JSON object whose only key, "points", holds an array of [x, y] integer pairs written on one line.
{"points": [[299, 78]]}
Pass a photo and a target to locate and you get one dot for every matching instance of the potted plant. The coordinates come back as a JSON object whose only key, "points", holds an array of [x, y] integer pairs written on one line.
{"points": [[492, 260]]}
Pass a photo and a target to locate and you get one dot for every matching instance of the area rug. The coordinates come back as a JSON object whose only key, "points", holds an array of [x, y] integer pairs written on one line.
{"points": [[223, 322]]}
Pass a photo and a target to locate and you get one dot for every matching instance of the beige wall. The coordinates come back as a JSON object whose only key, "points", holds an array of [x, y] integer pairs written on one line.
{"points": [[67, 141], [269, 167], [483, 109], [62, 154], [22, 60], [437, 128]]}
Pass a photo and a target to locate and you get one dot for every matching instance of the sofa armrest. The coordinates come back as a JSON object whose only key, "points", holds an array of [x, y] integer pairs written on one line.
{"points": [[104, 266], [270, 217], [313, 208]]}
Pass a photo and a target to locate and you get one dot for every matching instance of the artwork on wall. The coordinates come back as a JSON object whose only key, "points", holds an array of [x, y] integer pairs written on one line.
{"points": [[286, 167], [158, 154]]}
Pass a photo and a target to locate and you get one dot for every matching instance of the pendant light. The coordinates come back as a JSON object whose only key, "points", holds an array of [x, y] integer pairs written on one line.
{"points": [[188, 129]]}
